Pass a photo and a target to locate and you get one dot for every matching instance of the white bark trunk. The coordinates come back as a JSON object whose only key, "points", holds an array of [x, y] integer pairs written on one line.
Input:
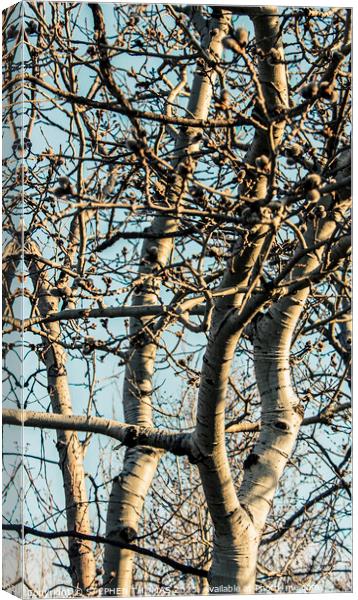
{"points": [[130, 488], [282, 411], [82, 562], [236, 539]]}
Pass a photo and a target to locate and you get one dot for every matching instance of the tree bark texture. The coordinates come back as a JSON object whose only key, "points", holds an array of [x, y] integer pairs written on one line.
{"points": [[131, 486]]}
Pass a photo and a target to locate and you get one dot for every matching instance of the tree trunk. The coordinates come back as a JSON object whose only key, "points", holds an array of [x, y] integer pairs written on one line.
{"points": [[282, 411], [130, 488], [82, 562], [236, 538]]}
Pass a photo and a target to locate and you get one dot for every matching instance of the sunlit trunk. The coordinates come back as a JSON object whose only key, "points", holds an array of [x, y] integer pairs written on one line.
{"points": [[236, 538], [82, 562], [130, 488]]}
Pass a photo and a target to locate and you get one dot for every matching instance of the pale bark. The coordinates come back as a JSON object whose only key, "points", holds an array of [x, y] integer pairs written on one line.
{"points": [[130, 488], [236, 539], [10, 259], [129, 435], [239, 522], [323, 417], [265, 216], [282, 412], [82, 562]]}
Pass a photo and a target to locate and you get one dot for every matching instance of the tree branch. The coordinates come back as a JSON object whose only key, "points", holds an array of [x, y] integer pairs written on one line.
{"points": [[135, 113], [128, 435], [99, 539]]}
